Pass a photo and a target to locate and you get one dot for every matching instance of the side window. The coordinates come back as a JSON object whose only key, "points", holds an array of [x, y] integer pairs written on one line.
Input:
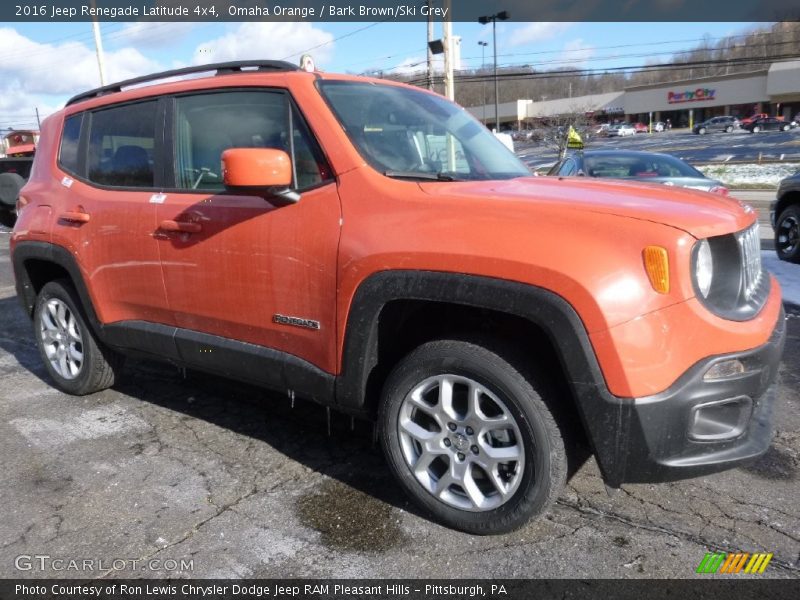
{"points": [[568, 168], [121, 145], [70, 137], [208, 124]]}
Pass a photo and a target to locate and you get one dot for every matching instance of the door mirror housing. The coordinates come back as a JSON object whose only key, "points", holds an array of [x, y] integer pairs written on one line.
{"points": [[268, 170]]}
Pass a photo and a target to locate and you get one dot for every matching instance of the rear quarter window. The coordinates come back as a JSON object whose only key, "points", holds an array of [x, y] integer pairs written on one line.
{"points": [[70, 140]]}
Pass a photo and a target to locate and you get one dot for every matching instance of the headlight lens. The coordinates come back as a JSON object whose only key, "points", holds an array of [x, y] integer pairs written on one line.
{"points": [[704, 268]]}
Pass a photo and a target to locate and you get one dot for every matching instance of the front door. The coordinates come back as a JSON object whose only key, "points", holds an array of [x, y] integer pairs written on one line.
{"points": [[249, 267]]}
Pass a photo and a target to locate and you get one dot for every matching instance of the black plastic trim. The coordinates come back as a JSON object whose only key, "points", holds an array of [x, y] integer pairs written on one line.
{"points": [[29, 250], [230, 358]]}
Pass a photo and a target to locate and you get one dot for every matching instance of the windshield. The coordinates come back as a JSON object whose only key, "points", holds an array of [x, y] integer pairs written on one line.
{"points": [[407, 133], [648, 165]]}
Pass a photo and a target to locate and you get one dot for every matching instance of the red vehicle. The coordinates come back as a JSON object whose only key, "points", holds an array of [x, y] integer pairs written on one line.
{"points": [[19, 147], [640, 128], [751, 118], [373, 247]]}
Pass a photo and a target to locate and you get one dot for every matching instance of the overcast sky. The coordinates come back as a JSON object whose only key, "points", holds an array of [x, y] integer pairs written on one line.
{"points": [[44, 64]]}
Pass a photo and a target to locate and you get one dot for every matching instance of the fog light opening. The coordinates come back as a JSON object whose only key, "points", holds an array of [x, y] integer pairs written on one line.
{"points": [[725, 369], [721, 419]]}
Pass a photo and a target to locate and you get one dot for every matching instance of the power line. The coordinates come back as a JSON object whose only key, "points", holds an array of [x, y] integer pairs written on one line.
{"points": [[633, 69], [341, 37]]}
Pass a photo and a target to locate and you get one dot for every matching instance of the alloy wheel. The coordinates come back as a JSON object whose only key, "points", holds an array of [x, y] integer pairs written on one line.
{"points": [[461, 442], [788, 235], [61, 339]]}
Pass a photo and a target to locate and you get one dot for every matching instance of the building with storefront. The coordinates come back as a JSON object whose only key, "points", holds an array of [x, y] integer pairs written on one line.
{"points": [[775, 91]]}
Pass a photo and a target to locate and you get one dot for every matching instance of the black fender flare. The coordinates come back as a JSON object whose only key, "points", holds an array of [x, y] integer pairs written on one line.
{"points": [[545, 309], [25, 251]]}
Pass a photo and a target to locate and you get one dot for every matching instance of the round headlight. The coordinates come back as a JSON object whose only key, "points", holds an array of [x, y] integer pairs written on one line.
{"points": [[704, 268]]}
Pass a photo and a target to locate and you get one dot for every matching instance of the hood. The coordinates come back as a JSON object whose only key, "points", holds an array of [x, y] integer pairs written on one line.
{"points": [[698, 213]]}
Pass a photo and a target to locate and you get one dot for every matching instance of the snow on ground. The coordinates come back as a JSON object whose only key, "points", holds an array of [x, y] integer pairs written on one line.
{"points": [[788, 275], [766, 174]]}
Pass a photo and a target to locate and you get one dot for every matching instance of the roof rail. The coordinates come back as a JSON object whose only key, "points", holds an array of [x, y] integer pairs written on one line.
{"points": [[224, 68]]}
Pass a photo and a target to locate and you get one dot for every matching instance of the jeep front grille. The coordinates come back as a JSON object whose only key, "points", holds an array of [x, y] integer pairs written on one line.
{"points": [[750, 252]]}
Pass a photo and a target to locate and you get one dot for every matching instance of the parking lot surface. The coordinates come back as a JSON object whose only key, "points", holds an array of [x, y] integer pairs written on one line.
{"points": [[234, 482], [739, 145]]}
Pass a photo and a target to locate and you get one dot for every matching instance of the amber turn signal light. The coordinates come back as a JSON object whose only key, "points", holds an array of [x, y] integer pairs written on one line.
{"points": [[656, 263]]}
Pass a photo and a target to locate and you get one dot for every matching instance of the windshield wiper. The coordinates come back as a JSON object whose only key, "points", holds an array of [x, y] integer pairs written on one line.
{"points": [[420, 175]]}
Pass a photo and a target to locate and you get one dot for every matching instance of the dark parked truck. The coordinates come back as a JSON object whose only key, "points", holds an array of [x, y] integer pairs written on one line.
{"points": [[15, 168]]}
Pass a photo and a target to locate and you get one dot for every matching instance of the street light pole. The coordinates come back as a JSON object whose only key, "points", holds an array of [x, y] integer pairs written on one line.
{"points": [[496, 88], [503, 16], [483, 64]]}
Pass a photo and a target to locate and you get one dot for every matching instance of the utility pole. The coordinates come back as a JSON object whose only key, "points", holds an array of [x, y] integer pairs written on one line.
{"points": [[98, 45], [449, 90], [483, 63], [430, 53], [38, 121]]}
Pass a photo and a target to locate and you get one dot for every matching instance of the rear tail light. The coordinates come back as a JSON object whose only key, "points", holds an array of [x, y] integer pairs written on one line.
{"points": [[719, 189]]}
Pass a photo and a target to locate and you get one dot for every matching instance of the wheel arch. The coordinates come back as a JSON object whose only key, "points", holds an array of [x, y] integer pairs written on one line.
{"points": [[36, 263], [390, 306]]}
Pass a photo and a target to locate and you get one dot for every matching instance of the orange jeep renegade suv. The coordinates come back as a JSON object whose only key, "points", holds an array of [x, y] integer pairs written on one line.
{"points": [[372, 247]]}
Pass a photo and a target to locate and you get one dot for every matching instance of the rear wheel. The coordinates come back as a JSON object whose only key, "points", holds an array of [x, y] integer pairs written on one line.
{"points": [[756, 129], [470, 436], [728, 129], [74, 358], [785, 127], [787, 234], [701, 131]]}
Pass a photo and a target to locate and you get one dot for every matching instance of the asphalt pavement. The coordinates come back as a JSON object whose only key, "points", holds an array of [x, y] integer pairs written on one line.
{"points": [[200, 476], [739, 145]]}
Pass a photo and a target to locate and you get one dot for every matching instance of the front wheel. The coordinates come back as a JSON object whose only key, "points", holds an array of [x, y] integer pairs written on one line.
{"points": [[74, 358], [728, 129], [787, 234], [756, 129], [784, 127], [470, 436], [702, 131]]}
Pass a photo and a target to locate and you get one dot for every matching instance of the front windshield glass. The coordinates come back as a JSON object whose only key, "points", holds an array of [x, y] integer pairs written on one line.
{"points": [[407, 133]]}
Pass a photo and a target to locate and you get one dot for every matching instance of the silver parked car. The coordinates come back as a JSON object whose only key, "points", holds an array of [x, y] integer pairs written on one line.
{"points": [[647, 167]]}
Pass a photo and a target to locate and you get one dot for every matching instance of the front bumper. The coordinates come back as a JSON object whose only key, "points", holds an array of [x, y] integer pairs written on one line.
{"points": [[696, 426]]}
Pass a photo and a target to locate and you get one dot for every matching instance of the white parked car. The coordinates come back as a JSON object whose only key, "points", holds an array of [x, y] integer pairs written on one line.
{"points": [[621, 130]]}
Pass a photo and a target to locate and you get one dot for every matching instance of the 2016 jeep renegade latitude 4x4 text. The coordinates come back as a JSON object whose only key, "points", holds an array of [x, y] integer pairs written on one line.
{"points": [[371, 246]]}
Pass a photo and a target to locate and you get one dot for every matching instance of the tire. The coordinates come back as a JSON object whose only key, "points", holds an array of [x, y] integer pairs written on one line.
{"points": [[72, 355], [784, 128], [728, 129], [411, 410], [702, 131], [755, 129], [787, 234], [10, 186]]}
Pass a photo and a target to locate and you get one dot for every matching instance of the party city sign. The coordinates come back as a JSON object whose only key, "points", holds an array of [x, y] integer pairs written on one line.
{"points": [[698, 95]]}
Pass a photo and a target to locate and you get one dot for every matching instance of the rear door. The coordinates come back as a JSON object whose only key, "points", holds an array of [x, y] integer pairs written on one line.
{"points": [[248, 268], [106, 217]]}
